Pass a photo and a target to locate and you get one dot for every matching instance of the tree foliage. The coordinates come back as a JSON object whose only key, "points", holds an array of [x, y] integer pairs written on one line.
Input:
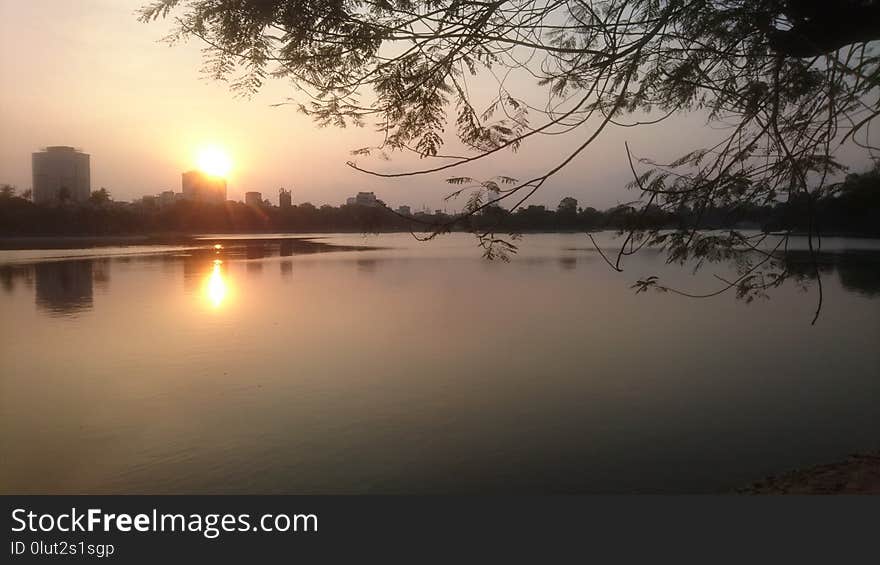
{"points": [[100, 196], [787, 81]]}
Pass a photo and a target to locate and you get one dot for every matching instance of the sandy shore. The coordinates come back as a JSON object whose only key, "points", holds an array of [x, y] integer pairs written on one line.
{"points": [[859, 474]]}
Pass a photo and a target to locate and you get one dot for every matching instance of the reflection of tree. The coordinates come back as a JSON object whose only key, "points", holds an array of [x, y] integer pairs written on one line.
{"points": [[101, 268], [10, 274], [367, 265], [286, 248], [860, 274], [64, 287], [286, 269], [859, 271], [7, 278]]}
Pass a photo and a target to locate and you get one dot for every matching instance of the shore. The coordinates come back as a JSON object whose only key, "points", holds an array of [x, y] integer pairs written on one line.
{"points": [[18, 242], [858, 474], [83, 241]]}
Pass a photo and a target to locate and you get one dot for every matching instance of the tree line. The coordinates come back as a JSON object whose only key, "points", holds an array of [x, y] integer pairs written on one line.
{"points": [[851, 207]]}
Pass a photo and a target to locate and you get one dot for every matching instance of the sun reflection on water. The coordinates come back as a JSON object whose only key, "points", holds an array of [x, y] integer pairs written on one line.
{"points": [[215, 288]]}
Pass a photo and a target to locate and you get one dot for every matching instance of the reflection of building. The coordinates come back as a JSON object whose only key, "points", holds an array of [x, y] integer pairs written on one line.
{"points": [[367, 265], [61, 173], [203, 187], [64, 287], [253, 198], [255, 250], [285, 199]]}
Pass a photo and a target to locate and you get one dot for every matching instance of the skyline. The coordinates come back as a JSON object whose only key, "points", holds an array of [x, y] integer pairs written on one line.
{"points": [[107, 64], [288, 252]]}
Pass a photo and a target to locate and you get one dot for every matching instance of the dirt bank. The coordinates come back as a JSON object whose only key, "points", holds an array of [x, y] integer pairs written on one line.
{"points": [[859, 474]]}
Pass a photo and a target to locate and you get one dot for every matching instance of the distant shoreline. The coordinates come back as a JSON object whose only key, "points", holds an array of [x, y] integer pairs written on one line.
{"points": [[81, 241], [16, 242]]}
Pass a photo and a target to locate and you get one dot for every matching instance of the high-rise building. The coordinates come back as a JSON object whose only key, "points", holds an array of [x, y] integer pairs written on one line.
{"points": [[203, 187], [61, 174], [253, 199], [366, 199], [285, 198], [404, 210], [166, 197]]}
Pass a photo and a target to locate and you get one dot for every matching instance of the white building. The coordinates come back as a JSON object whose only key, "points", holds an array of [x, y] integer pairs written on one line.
{"points": [[253, 198], [285, 198], [61, 173]]}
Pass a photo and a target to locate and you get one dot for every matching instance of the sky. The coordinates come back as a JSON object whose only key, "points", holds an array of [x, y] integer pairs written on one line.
{"points": [[88, 74]]}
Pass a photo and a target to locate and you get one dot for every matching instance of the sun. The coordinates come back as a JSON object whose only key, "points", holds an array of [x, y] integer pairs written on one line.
{"points": [[214, 161]]}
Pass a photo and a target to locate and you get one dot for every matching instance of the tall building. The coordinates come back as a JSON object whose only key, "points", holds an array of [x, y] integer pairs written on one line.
{"points": [[366, 199], [166, 197], [203, 187], [404, 210], [285, 198], [253, 199], [61, 173]]}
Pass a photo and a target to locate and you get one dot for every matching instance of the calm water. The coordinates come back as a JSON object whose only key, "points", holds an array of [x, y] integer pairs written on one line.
{"points": [[294, 367]]}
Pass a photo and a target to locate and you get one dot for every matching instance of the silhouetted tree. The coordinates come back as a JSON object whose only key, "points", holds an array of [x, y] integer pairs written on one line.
{"points": [[852, 209], [566, 213], [790, 80], [568, 205], [100, 196]]}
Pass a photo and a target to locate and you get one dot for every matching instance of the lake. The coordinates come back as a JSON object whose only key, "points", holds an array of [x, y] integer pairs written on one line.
{"points": [[381, 364]]}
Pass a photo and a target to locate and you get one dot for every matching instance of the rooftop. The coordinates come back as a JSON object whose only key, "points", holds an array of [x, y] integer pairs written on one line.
{"points": [[61, 149]]}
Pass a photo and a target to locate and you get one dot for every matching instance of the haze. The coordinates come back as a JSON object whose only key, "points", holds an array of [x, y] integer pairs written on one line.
{"points": [[88, 74]]}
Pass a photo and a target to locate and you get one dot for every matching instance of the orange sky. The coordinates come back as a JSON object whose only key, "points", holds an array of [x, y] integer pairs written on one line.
{"points": [[88, 74]]}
